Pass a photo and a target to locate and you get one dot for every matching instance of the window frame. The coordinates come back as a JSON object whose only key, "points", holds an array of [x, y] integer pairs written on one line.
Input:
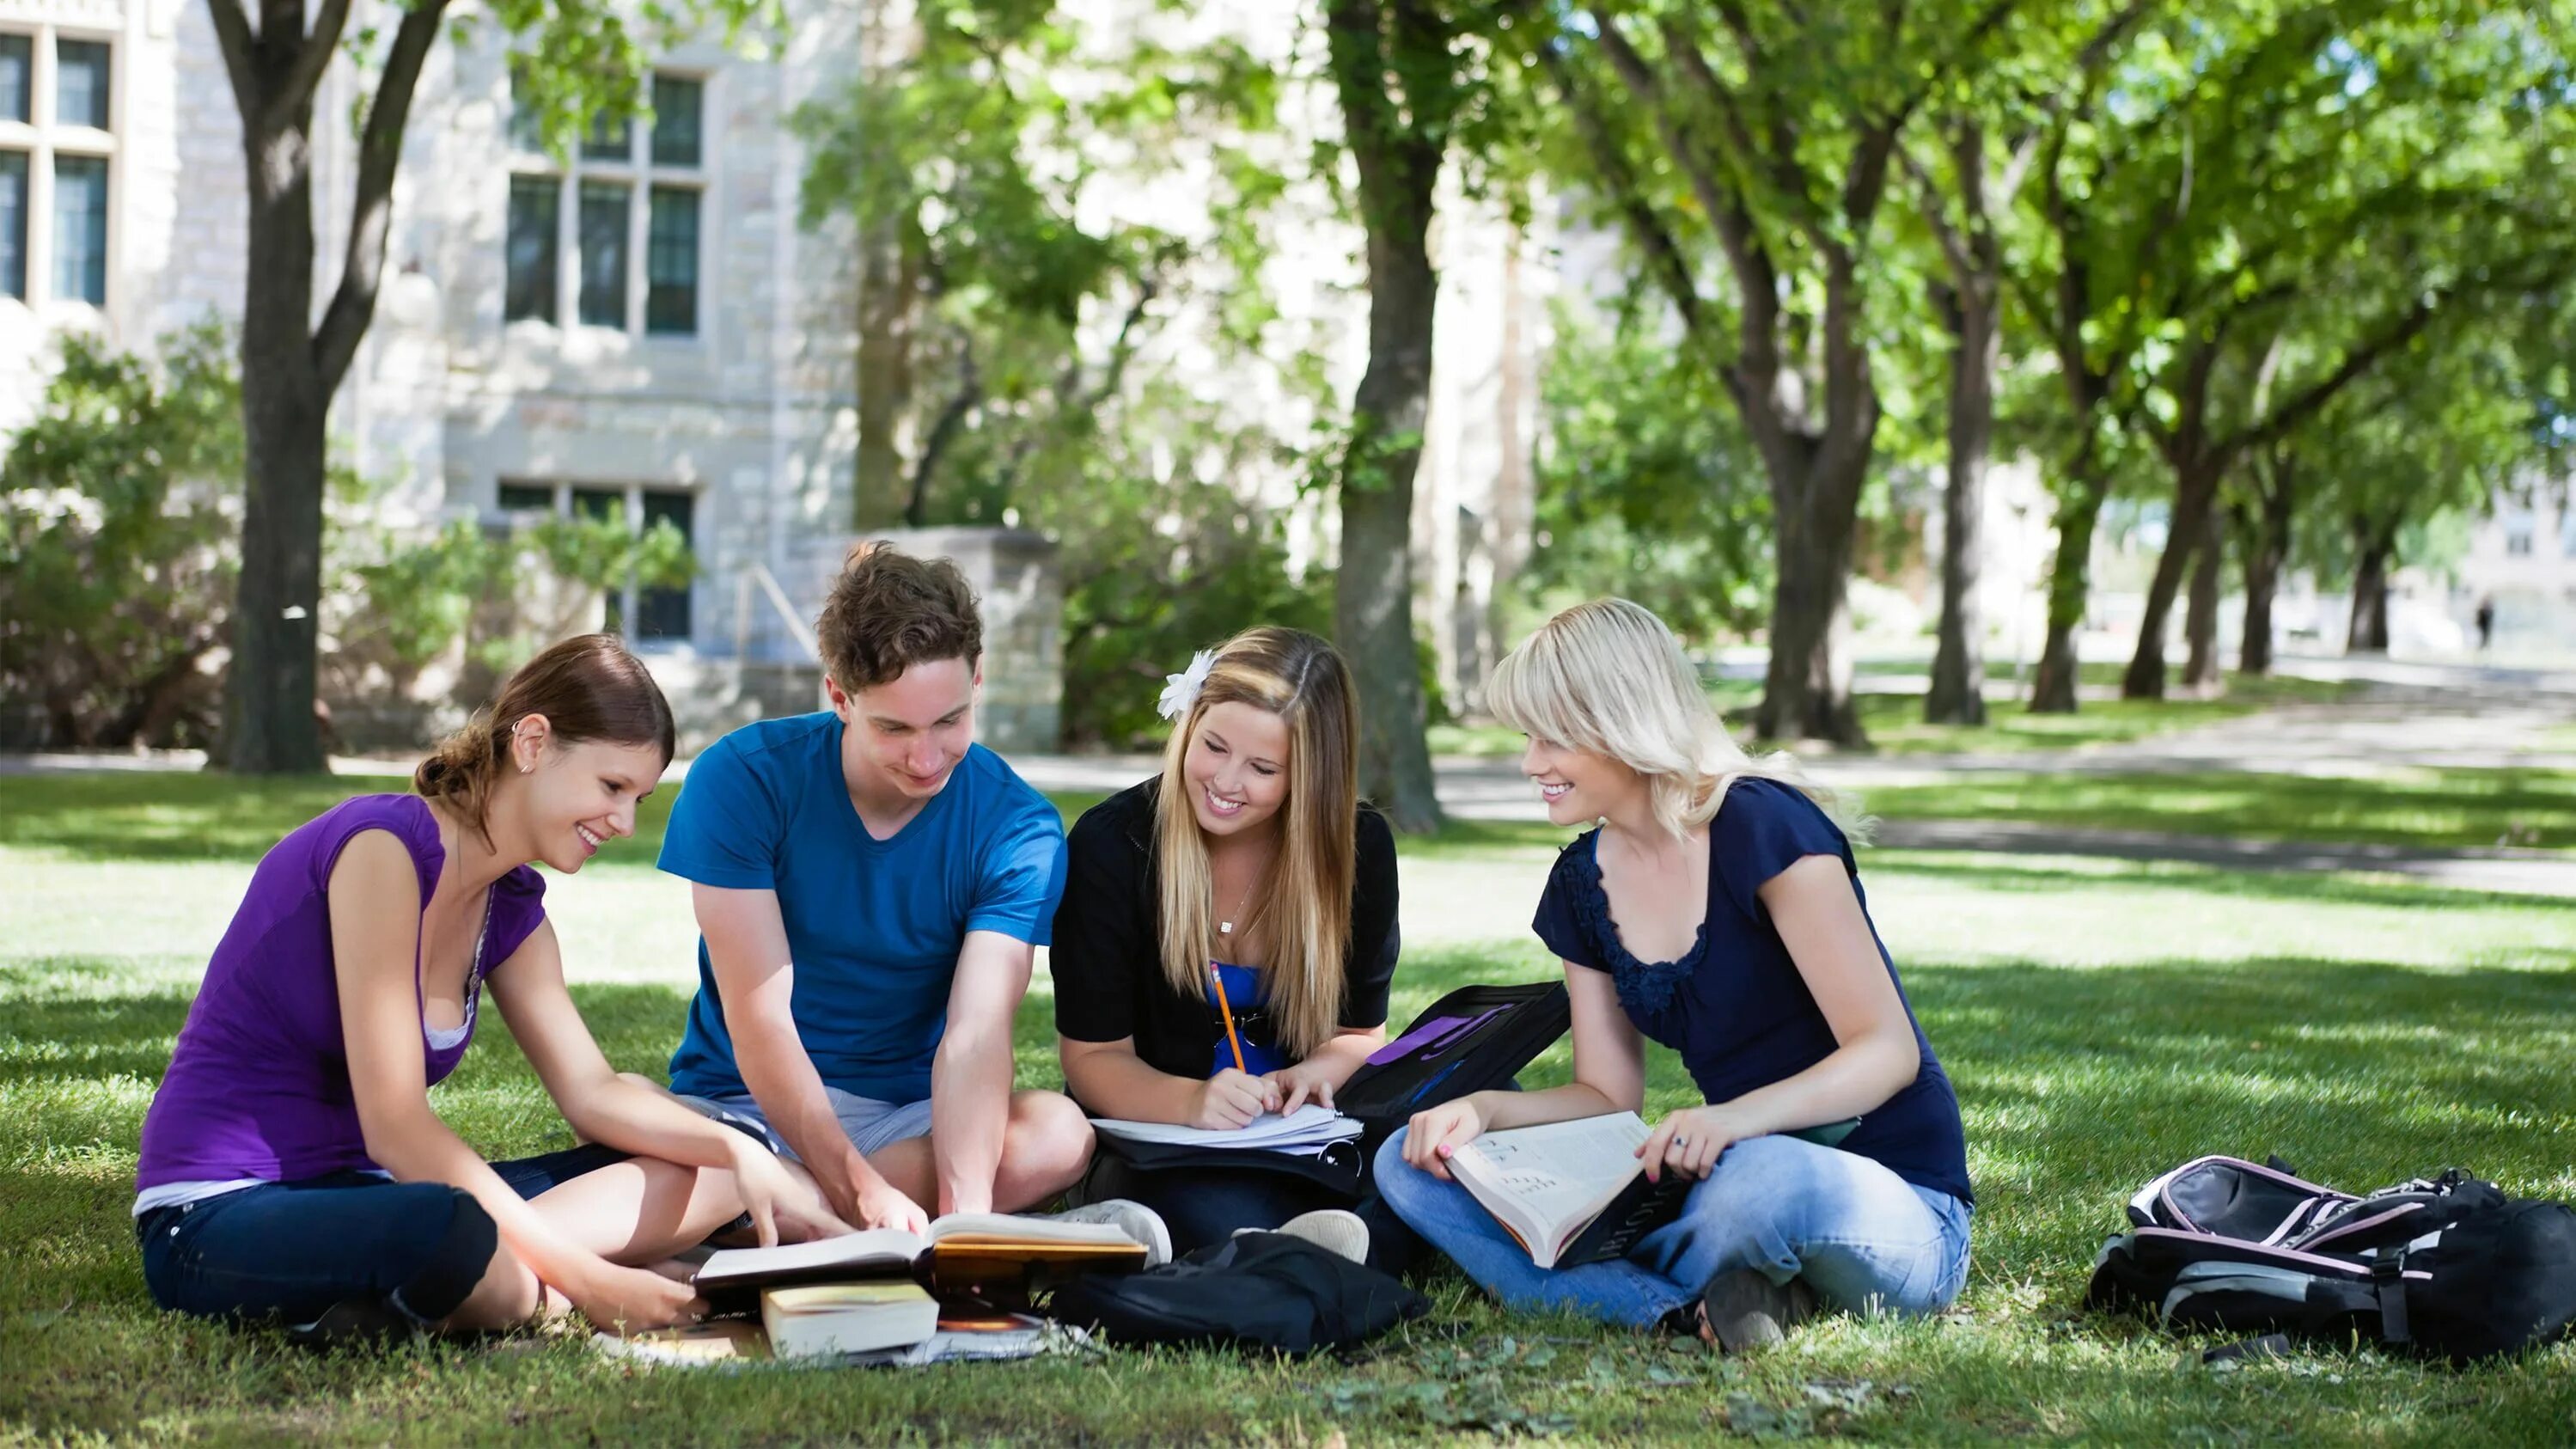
{"points": [[564, 499], [43, 139], [641, 175]]}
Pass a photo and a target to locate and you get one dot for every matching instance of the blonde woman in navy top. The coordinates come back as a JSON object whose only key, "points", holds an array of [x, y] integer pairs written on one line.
{"points": [[1716, 909]]}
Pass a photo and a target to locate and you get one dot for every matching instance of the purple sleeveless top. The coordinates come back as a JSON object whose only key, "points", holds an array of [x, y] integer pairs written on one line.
{"points": [[259, 1085]]}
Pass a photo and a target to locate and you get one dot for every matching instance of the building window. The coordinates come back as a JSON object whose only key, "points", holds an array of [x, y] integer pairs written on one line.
{"points": [[658, 613], [57, 149], [80, 228], [80, 84], [531, 249], [2518, 531], [17, 77], [13, 223], [619, 237]]}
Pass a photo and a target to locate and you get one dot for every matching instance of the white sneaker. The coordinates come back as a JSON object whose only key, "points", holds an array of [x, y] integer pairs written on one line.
{"points": [[1132, 1218], [1338, 1231]]}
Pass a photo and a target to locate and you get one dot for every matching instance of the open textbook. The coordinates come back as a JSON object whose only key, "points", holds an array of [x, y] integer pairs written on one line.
{"points": [[959, 1249], [1305, 1132], [1574, 1192], [1570, 1192]]}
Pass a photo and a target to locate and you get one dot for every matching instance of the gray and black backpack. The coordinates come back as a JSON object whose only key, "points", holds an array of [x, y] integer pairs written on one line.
{"points": [[2448, 1267]]}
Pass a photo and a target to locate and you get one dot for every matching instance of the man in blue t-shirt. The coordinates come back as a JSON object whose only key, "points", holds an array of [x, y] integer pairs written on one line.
{"points": [[870, 887]]}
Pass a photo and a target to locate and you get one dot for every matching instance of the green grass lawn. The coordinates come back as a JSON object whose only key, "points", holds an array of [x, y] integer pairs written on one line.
{"points": [[2102, 1020], [1894, 720]]}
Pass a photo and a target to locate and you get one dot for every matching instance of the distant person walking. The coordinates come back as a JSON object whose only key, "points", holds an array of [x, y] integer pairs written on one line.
{"points": [[2486, 622]]}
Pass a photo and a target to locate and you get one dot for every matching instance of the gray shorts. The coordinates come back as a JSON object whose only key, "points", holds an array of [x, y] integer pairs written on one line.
{"points": [[871, 1125]]}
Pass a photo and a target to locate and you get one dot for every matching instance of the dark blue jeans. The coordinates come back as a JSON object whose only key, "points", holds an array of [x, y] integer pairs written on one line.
{"points": [[290, 1251]]}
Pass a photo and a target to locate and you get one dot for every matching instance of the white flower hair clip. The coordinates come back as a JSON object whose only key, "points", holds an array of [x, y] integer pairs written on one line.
{"points": [[1182, 688]]}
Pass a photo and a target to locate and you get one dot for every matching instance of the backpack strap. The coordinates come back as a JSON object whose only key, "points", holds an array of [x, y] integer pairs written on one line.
{"points": [[2388, 1280]]}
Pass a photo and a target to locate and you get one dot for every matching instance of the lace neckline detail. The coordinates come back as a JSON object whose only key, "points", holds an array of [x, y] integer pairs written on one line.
{"points": [[1645, 987]]}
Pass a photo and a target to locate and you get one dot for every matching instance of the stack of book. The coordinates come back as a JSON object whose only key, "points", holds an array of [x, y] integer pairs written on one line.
{"points": [[886, 1294]]}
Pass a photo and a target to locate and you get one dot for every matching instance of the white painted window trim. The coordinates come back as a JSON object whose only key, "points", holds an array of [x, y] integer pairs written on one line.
{"points": [[42, 138]]}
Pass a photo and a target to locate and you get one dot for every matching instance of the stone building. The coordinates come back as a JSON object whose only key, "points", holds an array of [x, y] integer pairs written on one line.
{"points": [[641, 329]]}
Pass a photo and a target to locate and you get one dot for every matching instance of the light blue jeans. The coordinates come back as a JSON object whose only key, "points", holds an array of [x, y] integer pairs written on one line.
{"points": [[1863, 1238]]}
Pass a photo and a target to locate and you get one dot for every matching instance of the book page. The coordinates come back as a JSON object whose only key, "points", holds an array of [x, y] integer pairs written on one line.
{"points": [[1556, 1175], [878, 1248], [1002, 1229]]}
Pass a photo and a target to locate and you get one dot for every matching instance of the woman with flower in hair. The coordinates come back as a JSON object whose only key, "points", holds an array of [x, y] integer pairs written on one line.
{"points": [[294, 1169], [1227, 935], [1717, 910]]}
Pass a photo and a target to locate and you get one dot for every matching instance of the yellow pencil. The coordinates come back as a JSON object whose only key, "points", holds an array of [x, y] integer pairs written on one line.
{"points": [[1226, 1010]]}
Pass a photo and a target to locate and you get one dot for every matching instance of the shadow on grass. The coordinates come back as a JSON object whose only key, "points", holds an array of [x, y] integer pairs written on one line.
{"points": [[2432, 808], [2030, 873], [2077, 1084]]}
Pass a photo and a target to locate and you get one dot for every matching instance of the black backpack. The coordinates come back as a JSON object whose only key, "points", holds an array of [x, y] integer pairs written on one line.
{"points": [[2448, 1267], [1472, 1039], [1257, 1290]]}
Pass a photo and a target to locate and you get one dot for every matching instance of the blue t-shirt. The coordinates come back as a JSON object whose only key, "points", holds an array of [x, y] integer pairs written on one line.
{"points": [[1734, 1005], [873, 926]]}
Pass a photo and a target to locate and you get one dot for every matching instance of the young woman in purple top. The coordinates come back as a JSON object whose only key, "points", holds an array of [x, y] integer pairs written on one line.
{"points": [[293, 1168]]}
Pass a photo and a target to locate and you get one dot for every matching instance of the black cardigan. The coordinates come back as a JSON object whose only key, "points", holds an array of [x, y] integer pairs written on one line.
{"points": [[1108, 964]]}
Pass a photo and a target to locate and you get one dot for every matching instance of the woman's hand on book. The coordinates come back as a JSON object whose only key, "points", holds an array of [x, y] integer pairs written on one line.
{"points": [[1231, 1099], [626, 1300], [1689, 1141], [1440, 1131]]}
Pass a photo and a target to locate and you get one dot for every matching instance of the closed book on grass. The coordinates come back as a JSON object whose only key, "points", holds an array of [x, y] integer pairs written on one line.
{"points": [[1574, 1192], [846, 1318], [960, 1249]]}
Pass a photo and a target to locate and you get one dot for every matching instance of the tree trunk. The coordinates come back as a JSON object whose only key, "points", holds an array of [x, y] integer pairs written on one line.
{"points": [[269, 723], [1958, 694], [2200, 673], [2194, 494], [2070, 581], [2368, 633], [1806, 689], [1398, 157], [2267, 552], [879, 490]]}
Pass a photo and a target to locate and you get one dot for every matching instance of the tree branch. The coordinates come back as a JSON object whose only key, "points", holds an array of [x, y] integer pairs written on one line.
{"points": [[1663, 253], [353, 303], [297, 86], [233, 36]]}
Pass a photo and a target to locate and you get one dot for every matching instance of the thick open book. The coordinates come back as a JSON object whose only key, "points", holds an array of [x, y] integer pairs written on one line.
{"points": [[1570, 1192], [959, 1249]]}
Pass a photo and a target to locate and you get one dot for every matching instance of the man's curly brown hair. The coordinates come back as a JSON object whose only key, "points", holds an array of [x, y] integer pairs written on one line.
{"points": [[889, 611]]}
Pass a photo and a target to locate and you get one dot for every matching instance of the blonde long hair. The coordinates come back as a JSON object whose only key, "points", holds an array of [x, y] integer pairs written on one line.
{"points": [[1304, 903], [1608, 678]]}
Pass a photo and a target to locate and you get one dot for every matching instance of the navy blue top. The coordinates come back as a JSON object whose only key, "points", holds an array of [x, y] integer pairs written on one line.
{"points": [[1734, 1005]]}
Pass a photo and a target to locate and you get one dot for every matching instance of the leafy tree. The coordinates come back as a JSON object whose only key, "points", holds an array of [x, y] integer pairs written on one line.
{"points": [[1405, 73], [1647, 482], [1772, 136], [115, 506], [581, 57]]}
